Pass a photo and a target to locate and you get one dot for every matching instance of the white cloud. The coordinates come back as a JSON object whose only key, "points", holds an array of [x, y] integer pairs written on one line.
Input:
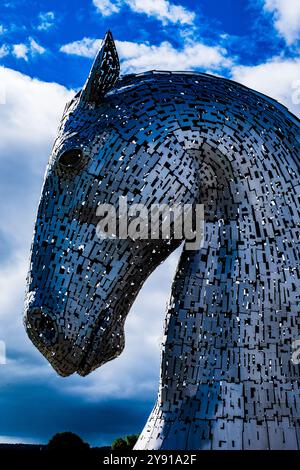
{"points": [[162, 10], [278, 78], [36, 48], [29, 118], [23, 51], [2, 29], [46, 21], [86, 47], [20, 51], [286, 15], [106, 7], [140, 57]]}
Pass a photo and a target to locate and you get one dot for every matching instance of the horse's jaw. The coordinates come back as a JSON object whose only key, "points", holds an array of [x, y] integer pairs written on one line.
{"points": [[89, 364]]}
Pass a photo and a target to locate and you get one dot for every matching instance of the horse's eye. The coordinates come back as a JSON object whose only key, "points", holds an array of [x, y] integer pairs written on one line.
{"points": [[71, 158]]}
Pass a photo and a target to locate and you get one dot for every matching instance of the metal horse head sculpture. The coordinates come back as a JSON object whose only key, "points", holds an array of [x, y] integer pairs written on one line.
{"points": [[227, 375]]}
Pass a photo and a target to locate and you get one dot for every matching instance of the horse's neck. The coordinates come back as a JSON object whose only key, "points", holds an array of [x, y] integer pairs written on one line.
{"points": [[227, 380], [232, 316]]}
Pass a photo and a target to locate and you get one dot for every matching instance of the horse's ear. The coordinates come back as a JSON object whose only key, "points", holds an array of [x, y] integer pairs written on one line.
{"points": [[104, 72]]}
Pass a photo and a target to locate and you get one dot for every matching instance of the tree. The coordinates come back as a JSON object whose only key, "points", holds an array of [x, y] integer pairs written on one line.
{"points": [[119, 443], [126, 443], [67, 441]]}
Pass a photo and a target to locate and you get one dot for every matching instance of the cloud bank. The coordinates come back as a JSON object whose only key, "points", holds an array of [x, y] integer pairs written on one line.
{"points": [[278, 78], [161, 10], [139, 57], [286, 16]]}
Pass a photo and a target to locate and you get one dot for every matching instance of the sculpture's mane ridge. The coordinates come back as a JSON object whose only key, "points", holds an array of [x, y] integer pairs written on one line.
{"points": [[131, 81]]}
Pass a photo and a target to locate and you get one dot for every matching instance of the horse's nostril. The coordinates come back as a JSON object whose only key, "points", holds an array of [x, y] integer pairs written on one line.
{"points": [[42, 325]]}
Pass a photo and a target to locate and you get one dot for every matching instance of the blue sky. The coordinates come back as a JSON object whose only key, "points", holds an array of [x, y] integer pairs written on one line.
{"points": [[46, 50]]}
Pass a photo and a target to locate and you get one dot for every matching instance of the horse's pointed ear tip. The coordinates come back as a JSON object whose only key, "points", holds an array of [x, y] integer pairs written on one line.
{"points": [[105, 65], [108, 35]]}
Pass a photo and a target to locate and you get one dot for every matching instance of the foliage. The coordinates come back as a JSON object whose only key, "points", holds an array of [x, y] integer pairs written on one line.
{"points": [[126, 443], [67, 441]]}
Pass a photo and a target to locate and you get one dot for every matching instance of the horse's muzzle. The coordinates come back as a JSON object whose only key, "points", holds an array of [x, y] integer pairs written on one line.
{"points": [[42, 326], [46, 334]]}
